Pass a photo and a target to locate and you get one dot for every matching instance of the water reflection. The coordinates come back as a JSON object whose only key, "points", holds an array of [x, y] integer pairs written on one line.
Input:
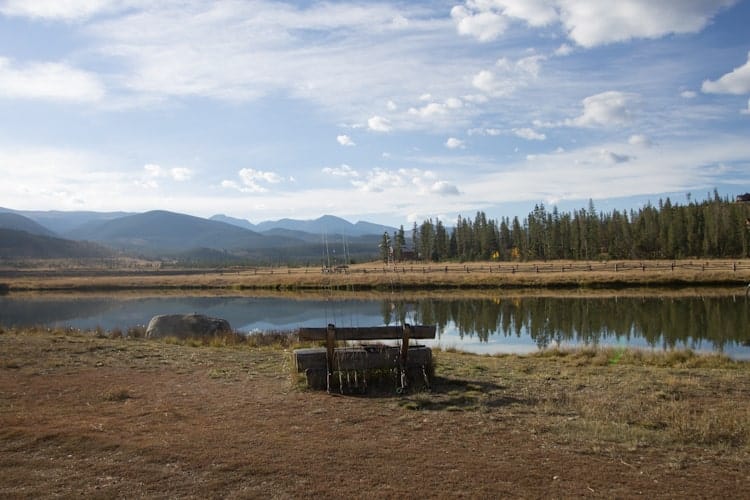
{"points": [[484, 324], [720, 322]]}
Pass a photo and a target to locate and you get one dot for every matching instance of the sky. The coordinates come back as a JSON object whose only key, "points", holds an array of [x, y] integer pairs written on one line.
{"points": [[390, 112]]}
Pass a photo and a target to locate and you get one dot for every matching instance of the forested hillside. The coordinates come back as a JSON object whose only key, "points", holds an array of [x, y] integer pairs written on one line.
{"points": [[715, 228]]}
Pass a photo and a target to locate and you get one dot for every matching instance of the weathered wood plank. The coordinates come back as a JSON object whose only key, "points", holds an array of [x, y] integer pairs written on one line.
{"points": [[369, 333], [360, 358]]}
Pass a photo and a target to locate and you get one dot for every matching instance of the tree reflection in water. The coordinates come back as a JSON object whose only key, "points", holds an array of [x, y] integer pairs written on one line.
{"points": [[660, 322]]}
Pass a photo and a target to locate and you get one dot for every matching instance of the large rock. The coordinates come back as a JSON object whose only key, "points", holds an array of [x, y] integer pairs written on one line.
{"points": [[184, 326]]}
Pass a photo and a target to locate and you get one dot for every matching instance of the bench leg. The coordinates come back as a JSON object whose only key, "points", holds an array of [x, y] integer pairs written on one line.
{"points": [[316, 379]]}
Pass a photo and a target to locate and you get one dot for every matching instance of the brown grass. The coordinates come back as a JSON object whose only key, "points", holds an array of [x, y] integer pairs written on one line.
{"points": [[376, 276], [82, 414]]}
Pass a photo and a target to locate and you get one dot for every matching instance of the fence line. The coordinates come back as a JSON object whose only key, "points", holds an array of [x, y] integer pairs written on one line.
{"points": [[549, 267], [413, 268]]}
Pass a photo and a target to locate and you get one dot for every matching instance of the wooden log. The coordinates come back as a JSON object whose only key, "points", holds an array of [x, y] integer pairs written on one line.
{"points": [[369, 333], [360, 358]]}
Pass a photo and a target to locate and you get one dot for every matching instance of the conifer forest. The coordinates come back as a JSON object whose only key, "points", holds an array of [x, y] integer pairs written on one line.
{"points": [[715, 228]]}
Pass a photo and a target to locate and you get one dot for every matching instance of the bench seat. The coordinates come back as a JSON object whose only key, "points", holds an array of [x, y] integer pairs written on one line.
{"points": [[360, 357]]}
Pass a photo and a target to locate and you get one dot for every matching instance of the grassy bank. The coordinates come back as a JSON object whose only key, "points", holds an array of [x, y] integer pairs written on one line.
{"points": [[409, 277], [137, 417]]}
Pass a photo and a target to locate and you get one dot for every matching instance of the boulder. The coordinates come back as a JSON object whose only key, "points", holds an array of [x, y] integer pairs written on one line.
{"points": [[183, 326]]}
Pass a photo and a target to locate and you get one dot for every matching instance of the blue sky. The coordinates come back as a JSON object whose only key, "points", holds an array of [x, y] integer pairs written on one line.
{"points": [[390, 112]]}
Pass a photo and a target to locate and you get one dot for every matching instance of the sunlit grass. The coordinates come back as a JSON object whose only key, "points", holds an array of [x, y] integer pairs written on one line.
{"points": [[411, 276], [593, 397], [587, 397]]}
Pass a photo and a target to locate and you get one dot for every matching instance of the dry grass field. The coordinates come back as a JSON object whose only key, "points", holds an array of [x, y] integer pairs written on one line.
{"points": [[85, 415], [376, 276]]}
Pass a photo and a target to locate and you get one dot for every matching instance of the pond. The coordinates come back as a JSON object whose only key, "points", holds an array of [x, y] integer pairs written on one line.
{"points": [[492, 324]]}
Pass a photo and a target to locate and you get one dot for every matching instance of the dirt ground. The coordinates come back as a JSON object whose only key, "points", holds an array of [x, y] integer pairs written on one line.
{"points": [[94, 417]]}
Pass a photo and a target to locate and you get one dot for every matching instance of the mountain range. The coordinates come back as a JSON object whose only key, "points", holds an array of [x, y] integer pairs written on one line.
{"points": [[163, 234]]}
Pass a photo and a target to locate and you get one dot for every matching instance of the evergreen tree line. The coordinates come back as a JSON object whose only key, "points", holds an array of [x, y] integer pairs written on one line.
{"points": [[714, 228]]}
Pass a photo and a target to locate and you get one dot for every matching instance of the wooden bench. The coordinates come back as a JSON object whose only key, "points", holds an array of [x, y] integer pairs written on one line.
{"points": [[322, 364]]}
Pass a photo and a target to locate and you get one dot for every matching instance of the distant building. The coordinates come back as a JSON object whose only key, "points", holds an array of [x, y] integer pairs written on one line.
{"points": [[408, 254], [743, 198]]}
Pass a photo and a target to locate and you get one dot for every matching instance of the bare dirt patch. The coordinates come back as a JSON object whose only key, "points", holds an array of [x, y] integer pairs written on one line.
{"points": [[97, 417]]}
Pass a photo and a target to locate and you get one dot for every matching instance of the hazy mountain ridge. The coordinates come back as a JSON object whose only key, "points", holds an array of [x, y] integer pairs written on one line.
{"points": [[160, 233], [243, 223], [17, 222], [172, 232], [326, 225], [16, 244], [63, 223], [60, 222]]}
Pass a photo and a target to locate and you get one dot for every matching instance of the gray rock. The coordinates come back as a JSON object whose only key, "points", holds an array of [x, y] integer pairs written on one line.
{"points": [[183, 326]]}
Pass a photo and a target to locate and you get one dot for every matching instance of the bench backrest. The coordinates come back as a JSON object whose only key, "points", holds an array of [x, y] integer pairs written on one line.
{"points": [[369, 332]]}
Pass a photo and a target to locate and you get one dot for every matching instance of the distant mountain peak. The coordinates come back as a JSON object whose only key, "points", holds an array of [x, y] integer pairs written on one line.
{"points": [[243, 223], [325, 224]]}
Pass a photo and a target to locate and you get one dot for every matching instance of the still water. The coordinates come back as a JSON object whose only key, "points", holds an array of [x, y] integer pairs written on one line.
{"points": [[491, 324]]}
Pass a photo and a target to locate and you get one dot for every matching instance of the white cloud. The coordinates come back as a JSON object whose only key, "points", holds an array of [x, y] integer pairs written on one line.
{"points": [[251, 180], [154, 171], [563, 50], [688, 94], [592, 22], [444, 188], [345, 140], [453, 103], [507, 76], [683, 166], [485, 81], [435, 109], [52, 81], [453, 143], [379, 124], [529, 134], [66, 179], [486, 20], [736, 82], [379, 180], [639, 140], [527, 66], [67, 10], [404, 182], [392, 106], [483, 25], [605, 109], [534, 12], [493, 132], [321, 52], [426, 182], [588, 23], [252, 174], [429, 111], [342, 171], [181, 174]]}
